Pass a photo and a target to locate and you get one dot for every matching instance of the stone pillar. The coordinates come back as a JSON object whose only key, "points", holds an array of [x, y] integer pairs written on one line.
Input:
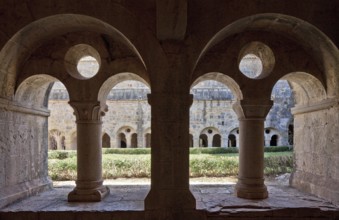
{"points": [[224, 142], [250, 183], [170, 153], [89, 187], [195, 141], [128, 140], [209, 140]]}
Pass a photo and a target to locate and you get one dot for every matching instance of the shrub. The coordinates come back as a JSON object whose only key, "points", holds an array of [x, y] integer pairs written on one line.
{"points": [[213, 150], [61, 154], [275, 165], [278, 149], [201, 165], [126, 151], [212, 166], [65, 169]]}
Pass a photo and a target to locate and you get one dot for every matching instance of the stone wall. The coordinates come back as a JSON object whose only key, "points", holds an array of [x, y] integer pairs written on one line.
{"points": [[316, 152], [129, 112], [23, 165]]}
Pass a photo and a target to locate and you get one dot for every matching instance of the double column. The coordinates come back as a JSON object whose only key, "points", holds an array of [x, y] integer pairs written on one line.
{"points": [[89, 183], [250, 183]]}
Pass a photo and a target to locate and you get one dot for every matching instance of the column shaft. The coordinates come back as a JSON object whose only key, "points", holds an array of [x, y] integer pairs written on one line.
{"points": [[89, 187], [251, 159]]}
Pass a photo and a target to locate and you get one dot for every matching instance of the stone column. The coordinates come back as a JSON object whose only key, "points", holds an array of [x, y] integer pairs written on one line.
{"points": [[89, 183], [209, 140], [224, 142], [170, 153], [128, 140], [195, 141], [250, 183]]}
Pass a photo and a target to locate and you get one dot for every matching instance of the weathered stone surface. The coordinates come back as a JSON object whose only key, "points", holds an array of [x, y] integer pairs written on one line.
{"points": [[203, 40]]}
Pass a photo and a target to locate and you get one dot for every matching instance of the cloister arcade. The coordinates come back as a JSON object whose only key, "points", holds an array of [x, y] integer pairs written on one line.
{"points": [[248, 50]]}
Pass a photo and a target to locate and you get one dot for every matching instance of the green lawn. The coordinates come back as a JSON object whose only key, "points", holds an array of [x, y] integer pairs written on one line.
{"points": [[138, 165]]}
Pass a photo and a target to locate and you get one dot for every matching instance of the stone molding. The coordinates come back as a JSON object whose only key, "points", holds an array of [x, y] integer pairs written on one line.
{"points": [[17, 107], [328, 103], [88, 111]]}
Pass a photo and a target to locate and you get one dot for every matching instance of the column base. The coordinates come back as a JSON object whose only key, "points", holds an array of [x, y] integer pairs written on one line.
{"points": [[88, 195], [170, 199], [251, 189]]}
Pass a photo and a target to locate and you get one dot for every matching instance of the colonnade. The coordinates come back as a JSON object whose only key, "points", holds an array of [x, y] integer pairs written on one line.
{"points": [[170, 152]]}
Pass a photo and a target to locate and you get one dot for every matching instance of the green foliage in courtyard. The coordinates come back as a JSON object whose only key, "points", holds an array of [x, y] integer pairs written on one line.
{"points": [[196, 150], [126, 151], [117, 165]]}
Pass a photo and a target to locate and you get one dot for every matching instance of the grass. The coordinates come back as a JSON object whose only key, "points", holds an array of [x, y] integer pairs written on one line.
{"points": [[62, 164]]}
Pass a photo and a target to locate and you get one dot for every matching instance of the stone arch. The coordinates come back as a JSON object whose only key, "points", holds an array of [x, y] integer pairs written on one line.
{"points": [[207, 134], [233, 138], [222, 78], [319, 46], [19, 48], [106, 141], [272, 132], [114, 80], [34, 91], [307, 88], [56, 140], [124, 136]]}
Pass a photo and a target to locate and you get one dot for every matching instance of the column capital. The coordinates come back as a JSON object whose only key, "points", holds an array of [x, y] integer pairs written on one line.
{"points": [[252, 109], [88, 111]]}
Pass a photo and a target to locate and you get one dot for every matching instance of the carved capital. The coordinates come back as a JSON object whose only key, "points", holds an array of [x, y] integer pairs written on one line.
{"points": [[88, 111], [249, 109]]}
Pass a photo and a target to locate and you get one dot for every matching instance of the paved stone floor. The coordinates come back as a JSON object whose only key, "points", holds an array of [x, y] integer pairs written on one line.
{"points": [[212, 198]]}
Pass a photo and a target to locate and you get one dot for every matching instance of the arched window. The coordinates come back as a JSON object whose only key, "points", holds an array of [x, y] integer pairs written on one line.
{"points": [[148, 140], [203, 140], [134, 140], [123, 143], [216, 141], [274, 140], [232, 140], [106, 141], [191, 141]]}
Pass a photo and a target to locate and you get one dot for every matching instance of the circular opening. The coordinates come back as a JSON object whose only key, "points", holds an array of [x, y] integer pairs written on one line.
{"points": [[251, 66], [237, 131], [128, 130], [267, 131], [82, 61], [256, 60], [209, 131], [88, 66]]}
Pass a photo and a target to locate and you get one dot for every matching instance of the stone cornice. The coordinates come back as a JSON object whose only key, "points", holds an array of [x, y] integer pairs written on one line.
{"points": [[325, 104], [9, 105]]}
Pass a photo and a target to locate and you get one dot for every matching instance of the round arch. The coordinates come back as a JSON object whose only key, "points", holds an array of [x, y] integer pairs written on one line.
{"points": [[222, 78], [114, 80], [320, 47], [307, 88], [34, 91], [26, 40]]}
